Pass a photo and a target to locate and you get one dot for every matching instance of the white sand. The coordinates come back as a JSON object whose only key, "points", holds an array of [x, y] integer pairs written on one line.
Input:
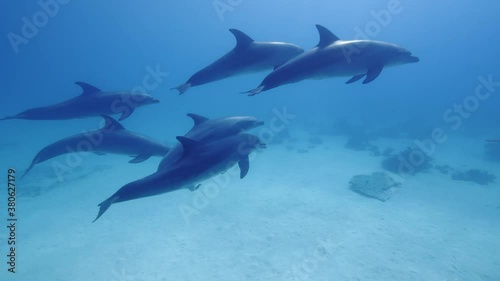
{"points": [[292, 218]]}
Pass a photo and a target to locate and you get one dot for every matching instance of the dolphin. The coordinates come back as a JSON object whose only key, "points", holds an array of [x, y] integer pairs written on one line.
{"points": [[198, 162], [209, 130], [333, 57], [92, 102], [112, 138], [248, 56], [498, 140]]}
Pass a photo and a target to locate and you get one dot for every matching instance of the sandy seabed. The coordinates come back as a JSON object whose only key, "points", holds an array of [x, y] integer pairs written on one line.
{"points": [[292, 218]]}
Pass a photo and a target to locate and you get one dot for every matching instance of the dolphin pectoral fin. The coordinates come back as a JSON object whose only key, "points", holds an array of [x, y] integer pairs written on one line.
{"points": [[254, 92], [87, 88], [244, 166], [104, 206], [182, 88], [355, 78], [126, 113], [194, 187], [372, 74], [139, 159], [100, 153]]}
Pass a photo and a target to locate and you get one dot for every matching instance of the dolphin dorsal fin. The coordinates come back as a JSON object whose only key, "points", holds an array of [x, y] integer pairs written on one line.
{"points": [[188, 145], [326, 37], [242, 40], [87, 88], [111, 124], [198, 119]]}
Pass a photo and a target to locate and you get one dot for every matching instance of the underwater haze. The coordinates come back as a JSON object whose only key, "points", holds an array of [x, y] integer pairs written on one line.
{"points": [[396, 179]]}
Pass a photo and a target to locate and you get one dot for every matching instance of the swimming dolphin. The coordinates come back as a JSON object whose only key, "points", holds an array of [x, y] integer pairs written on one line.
{"points": [[199, 162], [209, 130], [92, 102], [333, 57], [493, 140], [112, 138], [248, 56]]}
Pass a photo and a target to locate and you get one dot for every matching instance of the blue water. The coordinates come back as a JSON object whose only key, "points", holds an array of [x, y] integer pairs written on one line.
{"points": [[114, 44]]}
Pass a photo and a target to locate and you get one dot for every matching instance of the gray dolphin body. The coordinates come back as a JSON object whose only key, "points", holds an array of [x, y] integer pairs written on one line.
{"points": [[333, 57], [92, 102], [209, 130], [112, 138], [199, 162], [248, 56]]}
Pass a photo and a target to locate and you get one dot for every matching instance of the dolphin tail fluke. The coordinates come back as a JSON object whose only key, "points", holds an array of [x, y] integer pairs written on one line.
{"points": [[8, 117], [182, 88], [104, 206], [28, 170], [255, 91]]}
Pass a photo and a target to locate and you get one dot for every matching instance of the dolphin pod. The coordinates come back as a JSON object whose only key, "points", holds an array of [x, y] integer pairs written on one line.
{"points": [[112, 138], [211, 146]]}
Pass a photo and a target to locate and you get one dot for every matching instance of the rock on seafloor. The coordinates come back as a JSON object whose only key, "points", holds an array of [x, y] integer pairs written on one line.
{"points": [[378, 185]]}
